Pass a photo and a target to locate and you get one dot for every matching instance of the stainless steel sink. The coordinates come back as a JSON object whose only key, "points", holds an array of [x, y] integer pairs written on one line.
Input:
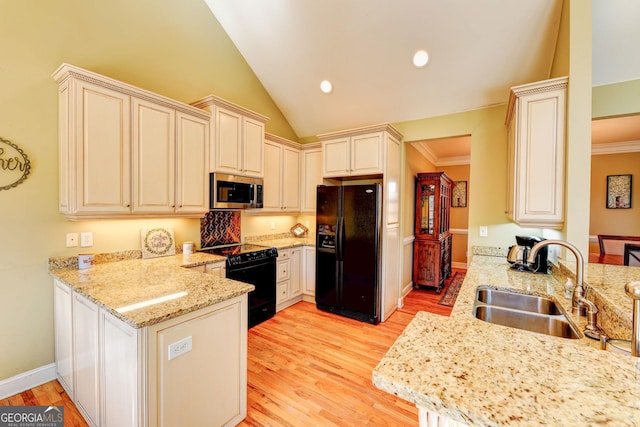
{"points": [[526, 302], [523, 311]]}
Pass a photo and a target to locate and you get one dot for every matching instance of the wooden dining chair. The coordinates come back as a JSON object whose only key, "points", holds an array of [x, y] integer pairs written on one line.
{"points": [[631, 254], [614, 245]]}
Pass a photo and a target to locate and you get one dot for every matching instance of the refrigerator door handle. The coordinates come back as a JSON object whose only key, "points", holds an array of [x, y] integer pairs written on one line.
{"points": [[340, 239]]}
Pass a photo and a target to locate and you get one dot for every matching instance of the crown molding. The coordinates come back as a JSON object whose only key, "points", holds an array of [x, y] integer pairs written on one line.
{"points": [[454, 161], [426, 153], [615, 148]]}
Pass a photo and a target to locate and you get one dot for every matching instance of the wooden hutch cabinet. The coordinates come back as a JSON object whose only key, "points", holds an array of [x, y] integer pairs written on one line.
{"points": [[432, 245]]}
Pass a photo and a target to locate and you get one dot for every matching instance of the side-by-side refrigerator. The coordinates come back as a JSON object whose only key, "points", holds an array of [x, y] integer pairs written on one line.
{"points": [[348, 220]]}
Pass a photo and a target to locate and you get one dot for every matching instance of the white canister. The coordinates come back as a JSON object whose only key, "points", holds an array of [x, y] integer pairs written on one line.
{"points": [[85, 261], [187, 248]]}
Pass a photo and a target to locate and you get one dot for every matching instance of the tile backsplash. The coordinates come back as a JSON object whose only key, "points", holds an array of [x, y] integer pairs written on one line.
{"points": [[220, 228]]}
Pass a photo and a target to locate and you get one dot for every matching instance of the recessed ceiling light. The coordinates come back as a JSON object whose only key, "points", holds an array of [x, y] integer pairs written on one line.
{"points": [[326, 86], [420, 58]]}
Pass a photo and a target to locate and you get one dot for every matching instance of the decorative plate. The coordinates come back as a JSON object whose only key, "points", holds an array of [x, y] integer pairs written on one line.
{"points": [[298, 230], [157, 242]]}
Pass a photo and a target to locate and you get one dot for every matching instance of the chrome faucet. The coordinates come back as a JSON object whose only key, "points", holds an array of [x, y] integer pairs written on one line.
{"points": [[579, 303], [633, 291]]}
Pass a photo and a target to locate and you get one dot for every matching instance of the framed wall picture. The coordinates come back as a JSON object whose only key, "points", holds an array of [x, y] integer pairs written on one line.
{"points": [[618, 191], [459, 194]]}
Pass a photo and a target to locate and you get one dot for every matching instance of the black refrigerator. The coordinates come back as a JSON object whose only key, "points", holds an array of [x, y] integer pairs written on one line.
{"points": [[348, 221]]}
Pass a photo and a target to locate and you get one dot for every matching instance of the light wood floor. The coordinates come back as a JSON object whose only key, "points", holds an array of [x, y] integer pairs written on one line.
{"points": [[306, 367]]}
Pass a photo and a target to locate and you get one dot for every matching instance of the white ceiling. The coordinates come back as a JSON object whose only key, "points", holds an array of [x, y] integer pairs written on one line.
{"points": [[478, 51]]}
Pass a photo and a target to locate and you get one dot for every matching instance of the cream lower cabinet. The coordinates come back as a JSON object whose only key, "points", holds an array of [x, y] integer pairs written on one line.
{"points": [[86, 358], [124, 151], [218, 269], [190, 370], [63, 325], [536, 147], [309, 274], [281, 175], [288, 277]]}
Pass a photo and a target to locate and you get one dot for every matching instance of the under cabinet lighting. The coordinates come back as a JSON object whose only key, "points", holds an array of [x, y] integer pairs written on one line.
{"points": [[420, 58], [326, 86], [150, 302]]}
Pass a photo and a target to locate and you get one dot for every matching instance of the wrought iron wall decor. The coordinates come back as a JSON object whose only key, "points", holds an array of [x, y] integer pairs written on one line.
{"points": [[14, 165]]}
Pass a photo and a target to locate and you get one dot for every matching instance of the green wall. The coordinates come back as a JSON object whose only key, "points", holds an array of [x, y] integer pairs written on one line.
{"points": [[172, 47], [617, 99], [487, 174]]}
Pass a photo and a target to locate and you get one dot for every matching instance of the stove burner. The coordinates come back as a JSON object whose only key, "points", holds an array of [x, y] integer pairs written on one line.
{"points": [[241, 254]]}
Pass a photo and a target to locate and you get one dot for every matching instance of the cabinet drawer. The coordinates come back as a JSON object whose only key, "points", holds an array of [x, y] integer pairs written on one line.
{"points": [[282, 272], [218, 269], [284, 254], [282, 292]]}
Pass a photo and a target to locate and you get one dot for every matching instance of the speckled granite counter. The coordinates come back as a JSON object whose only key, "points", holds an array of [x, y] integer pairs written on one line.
{"points": [[284, 242], [113, 285], [488, 375]]}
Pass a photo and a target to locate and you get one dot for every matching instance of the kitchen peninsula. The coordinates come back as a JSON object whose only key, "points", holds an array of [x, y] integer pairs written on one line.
{"points": [[146, 342], [464, 371]]}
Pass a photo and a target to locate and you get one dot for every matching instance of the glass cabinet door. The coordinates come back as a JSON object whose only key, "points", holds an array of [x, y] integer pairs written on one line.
{"points": [[427, 207]]}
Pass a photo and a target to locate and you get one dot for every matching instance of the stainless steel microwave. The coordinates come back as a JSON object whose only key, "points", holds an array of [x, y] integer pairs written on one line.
{"points": [[234, 192]]}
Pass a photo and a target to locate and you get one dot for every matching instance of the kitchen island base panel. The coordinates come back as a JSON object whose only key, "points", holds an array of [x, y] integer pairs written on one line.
{"points": [[127, 377], [427, 418]]}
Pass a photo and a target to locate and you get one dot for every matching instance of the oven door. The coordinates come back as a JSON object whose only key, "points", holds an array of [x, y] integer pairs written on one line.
{"points": [[262, 275]]}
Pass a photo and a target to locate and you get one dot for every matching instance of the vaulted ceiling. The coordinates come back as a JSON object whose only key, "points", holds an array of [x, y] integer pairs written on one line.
{"points": [[478, 50]]}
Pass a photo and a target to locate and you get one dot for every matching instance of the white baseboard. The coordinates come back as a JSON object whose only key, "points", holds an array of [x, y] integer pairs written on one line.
{"points": [[406, 289], [460, 265], [27, 380]]}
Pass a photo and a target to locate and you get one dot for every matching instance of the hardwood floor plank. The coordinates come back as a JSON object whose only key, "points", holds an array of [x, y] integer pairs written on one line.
{"points": [[305, 367]]}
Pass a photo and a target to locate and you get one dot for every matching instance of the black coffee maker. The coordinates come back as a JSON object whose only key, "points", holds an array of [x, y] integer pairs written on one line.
{"points": [[519, 253]]}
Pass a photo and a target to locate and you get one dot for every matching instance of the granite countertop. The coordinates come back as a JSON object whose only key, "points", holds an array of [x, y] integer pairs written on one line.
{"points": [[482, 374], [117, 284], [285, 242]]}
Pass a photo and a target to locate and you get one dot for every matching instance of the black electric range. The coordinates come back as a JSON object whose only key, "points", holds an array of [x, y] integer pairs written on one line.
{"points": [[256, 265]]}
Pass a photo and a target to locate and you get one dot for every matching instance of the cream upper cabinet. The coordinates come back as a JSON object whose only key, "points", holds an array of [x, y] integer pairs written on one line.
{"points": [[354, 155], [237, 146], [122, 150], [192, 167], [311, 176], [282, 175], [335, 157], [95, 149], [536, 162], [154, 146]]}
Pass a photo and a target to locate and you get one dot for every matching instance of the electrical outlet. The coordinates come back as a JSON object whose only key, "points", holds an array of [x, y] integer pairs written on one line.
{"points": [[484, 231], [86, 239], [273, 225], [180, 347], [72, 240]]}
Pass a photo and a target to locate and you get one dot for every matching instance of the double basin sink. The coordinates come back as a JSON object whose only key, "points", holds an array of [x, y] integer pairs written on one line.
{"points": [[523, 311]]}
